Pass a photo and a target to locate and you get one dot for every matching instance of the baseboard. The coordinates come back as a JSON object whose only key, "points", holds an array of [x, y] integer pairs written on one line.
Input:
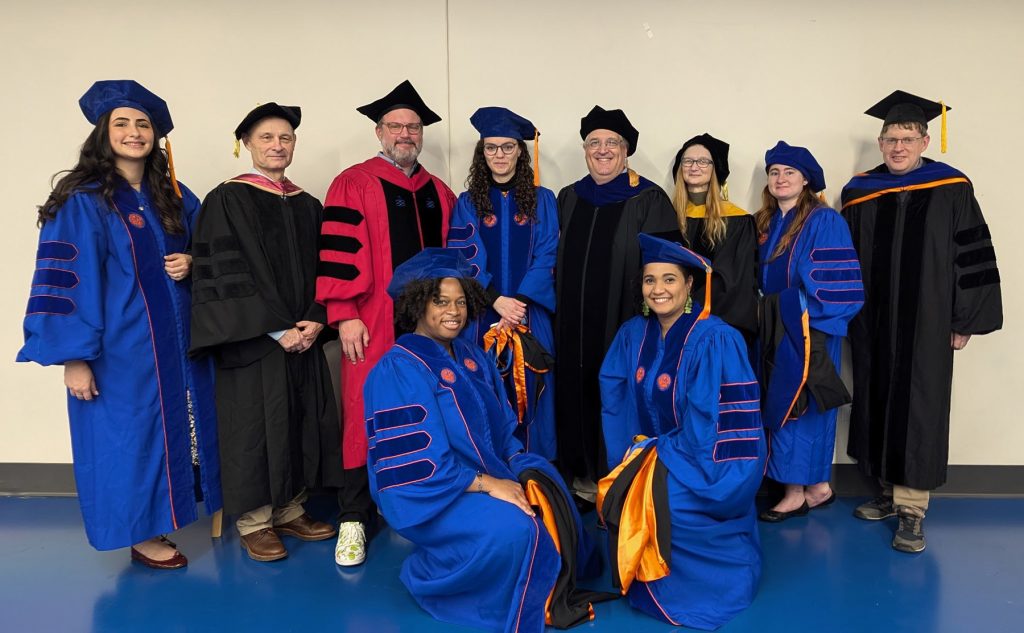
{"points": [[58, 480]]}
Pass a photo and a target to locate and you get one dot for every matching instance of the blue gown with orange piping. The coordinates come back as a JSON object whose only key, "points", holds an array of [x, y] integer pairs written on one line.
{"points": [[433, 422], [516, 258], [819, 262], [693, 391], [100, 294]]}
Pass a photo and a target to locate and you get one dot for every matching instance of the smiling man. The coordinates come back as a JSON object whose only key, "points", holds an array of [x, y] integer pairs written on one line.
{"points": [[931, 282], [378, 214], [254, 309], [598, 267]]}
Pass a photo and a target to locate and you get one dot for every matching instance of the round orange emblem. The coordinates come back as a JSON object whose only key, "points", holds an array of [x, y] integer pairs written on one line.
{"points": [[490, 220], [470, 364], [664, 382], [640, 373], [521, 219], [448, 375], [136, 220]]}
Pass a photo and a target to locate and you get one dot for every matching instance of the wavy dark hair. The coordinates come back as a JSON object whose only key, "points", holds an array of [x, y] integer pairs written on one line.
{"points": [[411, 305], [96, 172], [478, 183]]}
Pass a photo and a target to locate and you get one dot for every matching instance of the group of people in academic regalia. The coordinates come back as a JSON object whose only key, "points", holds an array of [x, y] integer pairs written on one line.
{"points": [[507, 358]]}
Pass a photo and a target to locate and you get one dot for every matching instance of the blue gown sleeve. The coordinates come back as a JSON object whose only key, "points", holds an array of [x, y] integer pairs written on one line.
{"points": [[619, 418], [539, 281], [464, 235], [503, 428], [717, 448], [64, 319], [829, 273], [413, 472]]}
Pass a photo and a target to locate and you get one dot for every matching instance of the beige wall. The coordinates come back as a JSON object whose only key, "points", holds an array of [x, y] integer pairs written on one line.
{"points": [[746, 71]]}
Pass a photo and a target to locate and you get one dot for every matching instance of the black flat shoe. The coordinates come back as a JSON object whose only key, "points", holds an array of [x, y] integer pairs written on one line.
{"points": [[826, 502], [774, 516]]}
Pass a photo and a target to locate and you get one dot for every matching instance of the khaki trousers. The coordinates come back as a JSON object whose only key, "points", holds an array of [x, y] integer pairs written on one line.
{"points": [[916, 500], [269, 516]]}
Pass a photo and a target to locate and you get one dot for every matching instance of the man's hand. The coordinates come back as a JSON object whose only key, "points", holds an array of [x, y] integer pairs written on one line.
{"points": [[354, 338], [177, 265], [958, 341], [309, 331], [292, 341]]}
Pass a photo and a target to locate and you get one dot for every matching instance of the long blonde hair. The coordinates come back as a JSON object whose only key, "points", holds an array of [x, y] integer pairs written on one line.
{"points": [[806, 203], [714, 223]]}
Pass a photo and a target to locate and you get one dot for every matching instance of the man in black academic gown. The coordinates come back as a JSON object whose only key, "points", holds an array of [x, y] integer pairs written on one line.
{"points": [[931, 282], [254, 309], [598, 280]]}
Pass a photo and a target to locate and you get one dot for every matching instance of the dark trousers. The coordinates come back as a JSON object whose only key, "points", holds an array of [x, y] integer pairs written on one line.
{"points": [[354, 500]]}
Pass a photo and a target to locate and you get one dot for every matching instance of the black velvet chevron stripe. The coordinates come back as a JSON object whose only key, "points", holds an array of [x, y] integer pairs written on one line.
{"points": [[977, 256], [344, 215], [978, 279], [201, 249], [970, 236], [230, 266], [225, 243], [345, 272], [341, 243]]}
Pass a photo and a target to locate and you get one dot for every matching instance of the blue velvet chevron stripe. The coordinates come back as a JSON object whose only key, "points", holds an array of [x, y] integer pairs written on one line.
{"points": [[49, 304], [395, 418], [822, 255], [61, 251], [55, 278], [398, 446], [826, 275], [736, 449], [739, 407], [404, 474]]}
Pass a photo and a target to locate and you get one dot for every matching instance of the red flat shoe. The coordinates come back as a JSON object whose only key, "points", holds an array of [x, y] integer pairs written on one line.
{"points": [[174, 562]]}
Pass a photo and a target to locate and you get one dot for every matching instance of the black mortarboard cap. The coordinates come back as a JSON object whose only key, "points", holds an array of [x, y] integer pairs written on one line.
{"points": [[291, 114], [903, 107], [719, 155], [403, 96], [615, 120]]}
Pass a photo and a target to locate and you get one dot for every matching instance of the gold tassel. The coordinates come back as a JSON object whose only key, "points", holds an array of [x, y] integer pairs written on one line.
{"points": [[238, 148], [170, 165], [821, 196], [942, 136], [725, 191], [536, 158], [634, 178]]}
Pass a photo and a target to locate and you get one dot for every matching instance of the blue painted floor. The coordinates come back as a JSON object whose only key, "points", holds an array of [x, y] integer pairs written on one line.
{"points": [[825, 573]]}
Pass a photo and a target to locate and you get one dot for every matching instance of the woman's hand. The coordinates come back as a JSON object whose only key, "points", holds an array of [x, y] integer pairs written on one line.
{"points": [[510, 310], [506, 490], [177, 265], [79, 380]]}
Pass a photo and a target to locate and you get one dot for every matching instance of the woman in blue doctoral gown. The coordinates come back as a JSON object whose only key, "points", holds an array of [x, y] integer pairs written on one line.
{"points": [[810, 270], [449, 475], [682, 423], [110, 301], [506, 225]]}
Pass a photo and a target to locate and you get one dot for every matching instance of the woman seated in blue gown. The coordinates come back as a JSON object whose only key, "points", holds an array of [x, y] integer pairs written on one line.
{"points": [[681, 412], [449, 475]]}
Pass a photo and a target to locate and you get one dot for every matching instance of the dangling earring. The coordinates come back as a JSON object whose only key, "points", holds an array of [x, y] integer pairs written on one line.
{"points": [[688, 308], [645, 309]]}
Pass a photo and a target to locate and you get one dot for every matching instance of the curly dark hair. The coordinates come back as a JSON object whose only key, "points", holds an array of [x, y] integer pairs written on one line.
{"points": [[96, 171], [411, 305], [478, 183]]}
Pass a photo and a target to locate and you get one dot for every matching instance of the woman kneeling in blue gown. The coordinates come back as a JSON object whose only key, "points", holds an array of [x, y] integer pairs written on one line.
{"points": [[448, 474], [681, 410]]}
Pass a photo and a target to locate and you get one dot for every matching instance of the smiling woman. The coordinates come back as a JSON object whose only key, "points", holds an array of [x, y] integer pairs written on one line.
{"points": [[111, 302]]}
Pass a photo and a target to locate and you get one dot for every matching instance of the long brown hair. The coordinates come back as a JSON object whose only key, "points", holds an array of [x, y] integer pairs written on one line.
{"points": [[96, 172], [714, 223], [806, 203], [478, 183]]}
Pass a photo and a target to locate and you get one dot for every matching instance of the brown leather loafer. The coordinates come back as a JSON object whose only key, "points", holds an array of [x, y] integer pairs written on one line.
{"points": [[174, 562], [264, 545], [306, 529]]}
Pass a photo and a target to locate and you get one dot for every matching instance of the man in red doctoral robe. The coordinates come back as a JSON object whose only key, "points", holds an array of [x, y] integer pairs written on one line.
{"points": [[377, 214]]}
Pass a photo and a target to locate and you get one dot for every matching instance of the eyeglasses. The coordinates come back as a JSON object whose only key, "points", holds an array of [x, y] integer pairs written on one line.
{"points": [[396, 128], [703, 163], [595, 144], [506, 148], [889, 141]]}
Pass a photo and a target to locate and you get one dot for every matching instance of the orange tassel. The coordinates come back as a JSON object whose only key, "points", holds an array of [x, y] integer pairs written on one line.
{"points": [[536, 158], [170, 165], [942, 137]]}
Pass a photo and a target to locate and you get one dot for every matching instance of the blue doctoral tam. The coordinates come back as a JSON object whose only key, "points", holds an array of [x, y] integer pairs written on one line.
{"points": [[430, 263], [496, 121], [654, 249], [799, 158], [106, 95]]}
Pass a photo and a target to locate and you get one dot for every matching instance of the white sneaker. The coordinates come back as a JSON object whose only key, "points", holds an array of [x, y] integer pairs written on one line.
{"points": [[351, 547]]}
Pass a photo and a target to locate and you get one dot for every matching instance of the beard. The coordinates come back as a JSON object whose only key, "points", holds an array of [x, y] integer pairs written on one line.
{"points": [[402, 152]]}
